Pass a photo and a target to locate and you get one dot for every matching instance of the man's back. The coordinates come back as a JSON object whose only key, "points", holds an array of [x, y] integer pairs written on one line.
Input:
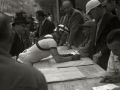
{"points": [[16, 76]]}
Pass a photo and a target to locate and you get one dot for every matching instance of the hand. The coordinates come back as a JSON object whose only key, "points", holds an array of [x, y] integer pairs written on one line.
{"points": [[76, 57], [96, 57], [66, 44], [69, 46], [14, 57], [110, 79]]}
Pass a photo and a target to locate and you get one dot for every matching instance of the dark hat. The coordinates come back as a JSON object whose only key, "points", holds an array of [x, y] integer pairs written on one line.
{"points": [[40, 13], [20, 18]]}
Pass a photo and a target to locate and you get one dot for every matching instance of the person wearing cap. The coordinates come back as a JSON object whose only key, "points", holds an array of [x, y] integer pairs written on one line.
{"points": [[106, 22], [84, 47], [21, 30], [14, 75], [45, 47], [45, 26], [73, 19]]}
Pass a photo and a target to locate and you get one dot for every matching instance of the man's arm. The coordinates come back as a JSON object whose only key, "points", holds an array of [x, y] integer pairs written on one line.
{"points": [[59, 58]]}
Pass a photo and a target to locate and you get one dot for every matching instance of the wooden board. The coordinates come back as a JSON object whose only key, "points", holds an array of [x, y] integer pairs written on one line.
{"points": [[62, 74], [82, 62], [45, 64], [52, 64], [70, 85], [92, 71]]}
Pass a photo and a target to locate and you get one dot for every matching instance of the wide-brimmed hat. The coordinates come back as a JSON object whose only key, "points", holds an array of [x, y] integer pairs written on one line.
{"points": [[20, 18]]}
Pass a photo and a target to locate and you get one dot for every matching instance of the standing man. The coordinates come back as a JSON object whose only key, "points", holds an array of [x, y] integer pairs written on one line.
{"points": [[45, 25], [106, 22], [14, 75], [73, 20]]}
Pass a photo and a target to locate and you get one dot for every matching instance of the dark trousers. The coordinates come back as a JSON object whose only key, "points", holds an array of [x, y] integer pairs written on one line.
{"points": [[103, 61]]}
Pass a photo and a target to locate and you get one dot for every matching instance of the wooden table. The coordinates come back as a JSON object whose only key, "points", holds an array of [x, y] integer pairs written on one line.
{"points": [[92, 73]]}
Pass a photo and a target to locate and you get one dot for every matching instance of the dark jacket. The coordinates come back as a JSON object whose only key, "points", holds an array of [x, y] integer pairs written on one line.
{"points": [[109, 23], [76, 19], [17, 46], [17, 76], [47, 28], [73, 21]]}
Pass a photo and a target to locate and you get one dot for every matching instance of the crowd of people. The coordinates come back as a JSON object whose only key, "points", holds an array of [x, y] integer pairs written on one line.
{"points": [[95, 34]]}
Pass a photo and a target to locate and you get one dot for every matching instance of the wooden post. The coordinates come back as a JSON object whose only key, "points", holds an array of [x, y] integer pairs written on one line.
{"points": [[58, 13]]}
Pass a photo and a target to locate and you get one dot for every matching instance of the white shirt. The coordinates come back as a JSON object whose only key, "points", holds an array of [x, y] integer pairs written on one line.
{"points": [[113, 64], [35, 54]]}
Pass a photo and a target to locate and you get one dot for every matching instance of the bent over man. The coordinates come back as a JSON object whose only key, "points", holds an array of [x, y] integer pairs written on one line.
{"points": [[45, 47]]}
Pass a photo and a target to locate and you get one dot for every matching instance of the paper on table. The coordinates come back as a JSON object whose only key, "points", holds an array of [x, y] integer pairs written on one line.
{"points": [[106, 87], [61, 74]]}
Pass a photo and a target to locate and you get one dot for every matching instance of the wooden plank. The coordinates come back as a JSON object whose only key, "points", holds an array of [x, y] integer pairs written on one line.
{"points": [[92, 71], [61, 74], [52, 64], [83, 61], [94, 82], [45, 64], [70, 85]]}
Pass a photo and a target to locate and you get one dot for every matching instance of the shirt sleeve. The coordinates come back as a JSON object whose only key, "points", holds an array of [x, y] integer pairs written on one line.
{"points": [[52, 43]]}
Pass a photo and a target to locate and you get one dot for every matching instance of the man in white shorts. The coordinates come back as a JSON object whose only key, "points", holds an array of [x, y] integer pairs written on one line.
{"points": [[46, 47]]}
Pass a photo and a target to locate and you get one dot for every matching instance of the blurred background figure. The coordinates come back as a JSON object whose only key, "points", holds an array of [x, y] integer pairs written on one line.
{"points": [[49, 16], [45, 26], [109, 6], [22, 33]]}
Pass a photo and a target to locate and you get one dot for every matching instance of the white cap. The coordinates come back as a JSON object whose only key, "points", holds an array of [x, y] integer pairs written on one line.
{"points": [[61, 27], [91, 4]]}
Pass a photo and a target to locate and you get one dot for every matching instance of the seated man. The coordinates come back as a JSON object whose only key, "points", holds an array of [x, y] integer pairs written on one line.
{"points": [[113, 43], [45, 47], [84, 47]]}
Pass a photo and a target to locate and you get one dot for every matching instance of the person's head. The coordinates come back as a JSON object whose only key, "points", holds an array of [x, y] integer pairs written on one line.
{"points": [[20, 25], [62, 12], [88, 27], [94, 9], [117, 4], [21, 14], [68, 7], [40, 16], [6, 34], [59, 30], [113, 42], [109, 5]]}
